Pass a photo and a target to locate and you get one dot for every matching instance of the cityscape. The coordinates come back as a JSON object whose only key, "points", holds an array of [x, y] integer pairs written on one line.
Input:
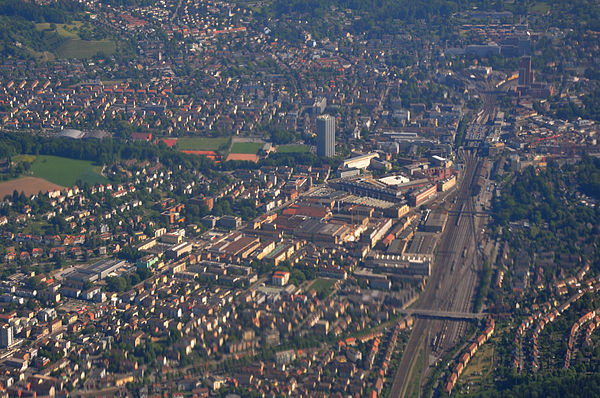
{"points": [[268, 198]]}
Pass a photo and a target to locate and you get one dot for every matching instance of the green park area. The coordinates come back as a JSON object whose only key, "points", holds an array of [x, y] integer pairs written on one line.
{"points": [[77, 48], [203, 143], [292, 149], [63, 171], [74, 46], [480, 366], [322, 286], [246, 147]]}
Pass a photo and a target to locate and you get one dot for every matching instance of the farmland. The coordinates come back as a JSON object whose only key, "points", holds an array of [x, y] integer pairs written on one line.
{"points": [[27, 185], [64, 171]]}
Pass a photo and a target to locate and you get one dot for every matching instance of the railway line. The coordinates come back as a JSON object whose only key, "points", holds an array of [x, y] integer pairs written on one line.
{"points": [[452, 284], [455, 272]]}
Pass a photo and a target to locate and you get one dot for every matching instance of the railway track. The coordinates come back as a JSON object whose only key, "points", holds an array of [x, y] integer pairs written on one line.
{"points": [[452, 284]]}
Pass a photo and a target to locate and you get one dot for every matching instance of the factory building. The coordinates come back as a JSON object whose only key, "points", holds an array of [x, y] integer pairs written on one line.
{"points": [[436, 222], [179, 250], [405, 264], [417, 198], [371, 188], [96, 271]]}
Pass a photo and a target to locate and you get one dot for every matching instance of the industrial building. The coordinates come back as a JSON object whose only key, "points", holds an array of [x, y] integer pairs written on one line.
{"points": [[422, 195], [96, 271], [423, 243], [179, 250], [371, 188], [435, 222], [405, 264]]}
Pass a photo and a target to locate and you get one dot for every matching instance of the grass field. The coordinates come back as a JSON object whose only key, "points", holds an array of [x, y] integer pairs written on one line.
{"points": [[65, 30], [45, 56], [246, 147], [322, 285], [77, 48], [202, 143], [480, 364], [540, 8], [292, 149], [66, 172], [74, 46], [24, 158]]}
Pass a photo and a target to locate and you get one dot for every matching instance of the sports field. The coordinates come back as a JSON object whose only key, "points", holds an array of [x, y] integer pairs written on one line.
{"points": [[66, 172], [202, 143], [292, 149], [246, 147]]}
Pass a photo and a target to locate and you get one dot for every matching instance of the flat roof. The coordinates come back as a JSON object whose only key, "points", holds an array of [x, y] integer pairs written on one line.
{"points": [[395, 180], [368, 201], [422, 243]]}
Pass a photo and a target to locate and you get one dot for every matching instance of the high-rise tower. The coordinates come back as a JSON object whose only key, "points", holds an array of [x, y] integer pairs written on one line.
{"points": [[326, 136]]}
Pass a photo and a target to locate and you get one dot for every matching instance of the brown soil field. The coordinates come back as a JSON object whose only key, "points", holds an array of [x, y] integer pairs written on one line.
{"points": [[27, 185]]}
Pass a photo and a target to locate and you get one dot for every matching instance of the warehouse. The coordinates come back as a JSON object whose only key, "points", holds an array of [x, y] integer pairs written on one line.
{"points": [[410, 265], [436, 222], [96, 271]]}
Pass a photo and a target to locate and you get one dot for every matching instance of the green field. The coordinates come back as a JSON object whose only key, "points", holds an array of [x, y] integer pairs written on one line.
{"points": [[480, 366], [202, 143], [65, 30], [413, 388], [540, 8], [66, 172], [246, 147], [322, 285], [74, 46], [77, 48], [292, 149]]}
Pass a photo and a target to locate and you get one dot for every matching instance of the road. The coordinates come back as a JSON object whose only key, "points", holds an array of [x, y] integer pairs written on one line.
{"points": [[451, 286]]}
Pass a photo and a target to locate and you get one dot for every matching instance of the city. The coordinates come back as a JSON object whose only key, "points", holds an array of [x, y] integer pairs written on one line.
{"points": [[306, 199]]}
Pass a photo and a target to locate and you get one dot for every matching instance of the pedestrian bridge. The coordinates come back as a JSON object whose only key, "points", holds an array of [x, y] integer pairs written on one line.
{"points": [[453, 316]]}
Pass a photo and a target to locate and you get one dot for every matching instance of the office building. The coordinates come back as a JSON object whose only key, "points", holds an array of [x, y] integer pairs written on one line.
{"points": [[326, 136], [6, 336]]}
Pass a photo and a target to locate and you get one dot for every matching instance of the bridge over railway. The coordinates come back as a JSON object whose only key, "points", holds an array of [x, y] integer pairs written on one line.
{"points": [[454, 316], [471, 213]]}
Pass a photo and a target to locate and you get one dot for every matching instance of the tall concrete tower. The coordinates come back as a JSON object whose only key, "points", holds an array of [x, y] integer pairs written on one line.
{"points": [[326, 136]]}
